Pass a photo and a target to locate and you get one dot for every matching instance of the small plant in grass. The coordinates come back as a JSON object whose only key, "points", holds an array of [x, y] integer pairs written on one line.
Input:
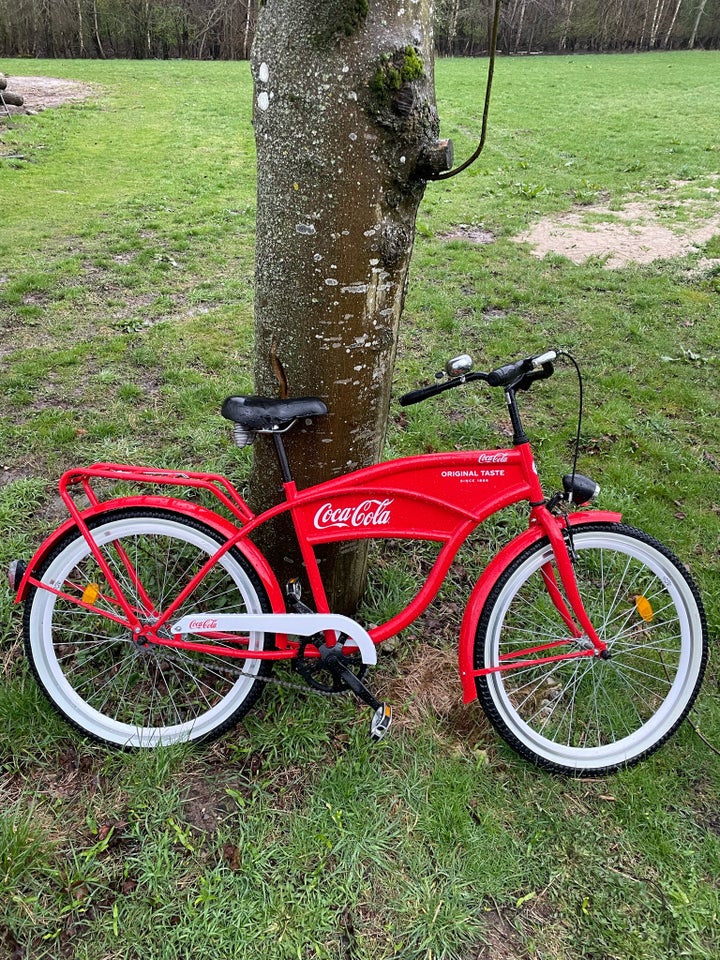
{"points": [[712, 247], [529, 191]]}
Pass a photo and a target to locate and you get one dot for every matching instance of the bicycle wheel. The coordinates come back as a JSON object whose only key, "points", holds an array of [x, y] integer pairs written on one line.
{"points": [[88, 665], [592, 715]]}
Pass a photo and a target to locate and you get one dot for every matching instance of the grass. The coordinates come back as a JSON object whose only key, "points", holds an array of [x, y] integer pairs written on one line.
{"points": [[125, 307]]}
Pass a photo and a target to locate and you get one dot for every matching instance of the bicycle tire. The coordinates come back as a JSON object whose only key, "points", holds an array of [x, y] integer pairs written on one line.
{"points": [[590, 716], [95, 675]]}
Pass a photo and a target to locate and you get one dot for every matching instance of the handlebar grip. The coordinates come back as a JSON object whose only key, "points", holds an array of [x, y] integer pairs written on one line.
{"points": [[504, 376], [522, 373], [415, 396], [542, 373]]}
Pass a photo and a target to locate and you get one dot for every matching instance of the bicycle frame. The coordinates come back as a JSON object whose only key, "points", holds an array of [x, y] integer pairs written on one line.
{"points": [[440, 498]]}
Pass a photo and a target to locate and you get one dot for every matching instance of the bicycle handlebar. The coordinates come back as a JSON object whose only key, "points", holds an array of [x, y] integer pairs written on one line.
{"points": [[415, 396], [518, 375]]}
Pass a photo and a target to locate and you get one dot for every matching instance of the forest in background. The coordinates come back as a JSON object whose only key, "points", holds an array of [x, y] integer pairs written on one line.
{"points": [[223, 29]]}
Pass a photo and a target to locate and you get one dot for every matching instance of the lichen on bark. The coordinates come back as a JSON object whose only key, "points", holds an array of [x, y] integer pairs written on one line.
{"points": [[338, 18]]}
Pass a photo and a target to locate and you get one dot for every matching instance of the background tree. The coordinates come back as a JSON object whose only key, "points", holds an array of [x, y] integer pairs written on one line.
{"points": [[346, 130]]}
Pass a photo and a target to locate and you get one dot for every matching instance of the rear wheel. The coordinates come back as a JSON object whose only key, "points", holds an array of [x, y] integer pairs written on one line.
{"points": [[91, 668], [591, 715]]}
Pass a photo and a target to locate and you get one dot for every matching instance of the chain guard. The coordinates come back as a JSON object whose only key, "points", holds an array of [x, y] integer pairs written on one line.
{"points": [[318, 675]]}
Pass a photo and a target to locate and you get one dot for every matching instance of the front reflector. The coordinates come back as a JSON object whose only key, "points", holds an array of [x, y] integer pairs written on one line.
{"points": [[644, 608]]}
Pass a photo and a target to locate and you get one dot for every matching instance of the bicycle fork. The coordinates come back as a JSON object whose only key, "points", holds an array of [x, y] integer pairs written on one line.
{"points": [[567, 601], [564, 556]]}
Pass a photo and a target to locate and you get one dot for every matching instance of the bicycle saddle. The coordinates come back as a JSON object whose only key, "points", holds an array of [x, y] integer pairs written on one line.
{"points": [[265, 413]]}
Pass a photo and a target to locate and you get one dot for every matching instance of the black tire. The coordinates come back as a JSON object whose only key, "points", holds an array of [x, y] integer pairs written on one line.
{"points": [[590, 715], [106, 685]]}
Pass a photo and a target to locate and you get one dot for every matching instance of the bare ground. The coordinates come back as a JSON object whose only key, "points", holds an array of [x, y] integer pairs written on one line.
{"points": [[634, 233], [39, 93]]}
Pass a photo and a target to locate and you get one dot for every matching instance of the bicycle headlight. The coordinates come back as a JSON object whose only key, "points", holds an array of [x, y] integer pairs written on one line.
{"points": [[579, 489]]}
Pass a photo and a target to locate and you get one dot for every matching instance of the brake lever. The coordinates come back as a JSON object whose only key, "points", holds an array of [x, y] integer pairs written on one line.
{"points": [[545, 371]]}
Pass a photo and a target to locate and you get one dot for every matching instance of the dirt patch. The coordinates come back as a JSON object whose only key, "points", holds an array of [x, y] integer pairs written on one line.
{"points": [[472, 234], [502, 941], [428, 686], [40, 93], [635, 233]]}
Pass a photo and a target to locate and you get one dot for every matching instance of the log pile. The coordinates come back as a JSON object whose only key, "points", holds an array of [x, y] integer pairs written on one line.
{"points": [[7, 98]]}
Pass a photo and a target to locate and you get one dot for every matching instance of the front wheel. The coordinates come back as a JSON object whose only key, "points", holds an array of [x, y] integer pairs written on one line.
{"points": [[90, 667], [592, 715]]}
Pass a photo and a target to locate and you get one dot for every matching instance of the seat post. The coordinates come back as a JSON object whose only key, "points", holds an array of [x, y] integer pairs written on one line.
{"points": [[282, 457]]}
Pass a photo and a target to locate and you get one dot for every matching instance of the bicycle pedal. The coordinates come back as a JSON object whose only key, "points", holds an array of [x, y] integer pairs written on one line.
{"points": [[380, 723]]}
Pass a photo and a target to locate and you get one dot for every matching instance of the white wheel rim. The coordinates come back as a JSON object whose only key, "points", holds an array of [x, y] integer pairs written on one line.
{"points": [[62, 692], [674, 704]]}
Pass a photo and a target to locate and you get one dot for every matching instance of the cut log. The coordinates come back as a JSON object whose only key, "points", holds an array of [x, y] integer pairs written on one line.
{"points": [[3, 82], [12, 99]]}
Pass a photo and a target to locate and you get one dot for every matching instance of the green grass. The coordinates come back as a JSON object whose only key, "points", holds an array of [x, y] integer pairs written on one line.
{"points": [[125, 312]]}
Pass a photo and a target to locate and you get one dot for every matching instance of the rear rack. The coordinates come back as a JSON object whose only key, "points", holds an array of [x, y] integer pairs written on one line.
{"points": [[219, 486]]}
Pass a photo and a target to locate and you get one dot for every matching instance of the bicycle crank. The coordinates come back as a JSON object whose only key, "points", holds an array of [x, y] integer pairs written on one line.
{"points": [[317, 671], [332, 658], [335, 661]]}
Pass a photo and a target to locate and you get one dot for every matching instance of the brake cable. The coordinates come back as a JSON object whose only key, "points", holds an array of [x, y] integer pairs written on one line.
{"points": [[488, 89], [578, 434]]}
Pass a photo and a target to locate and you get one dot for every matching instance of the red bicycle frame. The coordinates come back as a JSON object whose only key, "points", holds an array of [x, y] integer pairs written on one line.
{"points": [[440, 498]]}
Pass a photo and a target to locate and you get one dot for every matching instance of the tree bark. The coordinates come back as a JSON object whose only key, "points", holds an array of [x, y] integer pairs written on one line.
{"points": [[345, 124]]}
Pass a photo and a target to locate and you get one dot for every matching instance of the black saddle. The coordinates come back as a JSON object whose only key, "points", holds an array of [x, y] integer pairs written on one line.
{"points": [[265, 413]]}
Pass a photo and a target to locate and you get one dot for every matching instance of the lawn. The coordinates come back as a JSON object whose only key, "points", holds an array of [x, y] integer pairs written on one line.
{"points": [[126, 262]]}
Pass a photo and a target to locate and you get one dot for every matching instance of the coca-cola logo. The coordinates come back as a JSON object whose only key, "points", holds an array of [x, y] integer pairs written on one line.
{"points": [[369, 513], [209, 623], [493, 458]]}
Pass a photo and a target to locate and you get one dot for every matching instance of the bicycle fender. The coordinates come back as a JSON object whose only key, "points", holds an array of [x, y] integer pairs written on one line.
{"points": [[489, 578], [185, 507]]}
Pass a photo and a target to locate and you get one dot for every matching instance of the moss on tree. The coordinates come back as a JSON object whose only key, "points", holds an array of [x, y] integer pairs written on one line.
{"points": [[395, 70]]}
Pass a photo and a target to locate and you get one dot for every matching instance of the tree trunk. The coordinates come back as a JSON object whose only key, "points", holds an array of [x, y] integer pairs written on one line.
{"points": [[693, 36], [344, 120], [644, 25], [452, 29], [81, 30], [518, 35], [567, 20], [655, 26], [672, 24], [96, 32], [248, 24]]}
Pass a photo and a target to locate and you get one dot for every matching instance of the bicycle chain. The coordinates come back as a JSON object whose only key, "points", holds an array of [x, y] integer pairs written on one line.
{"points": [[238, 672]]}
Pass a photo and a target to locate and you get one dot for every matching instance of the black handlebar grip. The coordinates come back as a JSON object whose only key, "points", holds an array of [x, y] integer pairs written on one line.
{"points": [[504, 376], [415, 396]]}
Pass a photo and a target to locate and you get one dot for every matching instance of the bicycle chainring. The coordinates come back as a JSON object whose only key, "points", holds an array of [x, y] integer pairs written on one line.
{"points": [[316, 672]]}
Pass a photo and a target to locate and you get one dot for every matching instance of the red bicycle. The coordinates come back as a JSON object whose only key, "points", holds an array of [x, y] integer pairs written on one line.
{"points": [[152, 619]]}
